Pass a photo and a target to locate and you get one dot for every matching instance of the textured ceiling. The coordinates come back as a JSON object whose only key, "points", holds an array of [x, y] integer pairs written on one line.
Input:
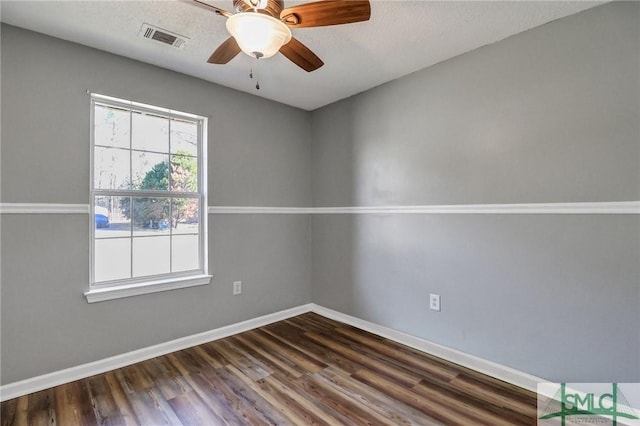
{"points": [[401, 37]]}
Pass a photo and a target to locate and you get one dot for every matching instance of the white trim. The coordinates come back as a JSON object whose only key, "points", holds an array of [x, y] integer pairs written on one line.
{"points": [[45, 381], [490, 368], [258, 210], [98, 294], [612, 207], [40, 208], [498, 371], [110, 100], [615, 207], [132, 286]]}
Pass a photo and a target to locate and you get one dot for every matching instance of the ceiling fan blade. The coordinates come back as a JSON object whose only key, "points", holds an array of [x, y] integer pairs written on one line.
{"points": [[217, 10], [225, 52], [328, 12], [301, 55]]}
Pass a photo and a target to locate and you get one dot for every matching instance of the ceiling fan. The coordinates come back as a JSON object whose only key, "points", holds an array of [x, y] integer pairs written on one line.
{"points": [[261, 28]]}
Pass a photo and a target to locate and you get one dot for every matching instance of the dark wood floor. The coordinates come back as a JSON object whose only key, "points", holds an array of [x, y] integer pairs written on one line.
{"points": [[304, 370]]}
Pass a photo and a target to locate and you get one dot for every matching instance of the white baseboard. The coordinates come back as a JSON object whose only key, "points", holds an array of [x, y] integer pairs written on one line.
{"points": [[45, 381], [38, 383], [490, 368]]}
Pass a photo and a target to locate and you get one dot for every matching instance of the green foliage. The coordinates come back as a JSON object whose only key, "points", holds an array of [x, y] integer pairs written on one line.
{"points": [[184, 173], [151, 212], [154, 212], [157, 178]]}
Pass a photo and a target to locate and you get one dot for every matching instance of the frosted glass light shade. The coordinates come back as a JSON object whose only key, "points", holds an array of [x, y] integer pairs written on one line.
{"points": [[258, 33]]}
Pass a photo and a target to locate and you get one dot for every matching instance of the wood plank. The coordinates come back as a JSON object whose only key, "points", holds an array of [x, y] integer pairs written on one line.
{"points": [[302, 360], [309, 322], [192, 410], [133, 379], [246, 403], [287, 400], [277, 359], [151, 408], [210, 356], [9, 412], [414, 362], [431, 408], [22, 411], [398, 375], [392, 409], [301, 342], [121, 400], [186, 362], [301, 392], [351, 408], [42, 408], [310, 390], [104, 405], [463, 405], [289, 408], [301, 371], [521, 401], [73, 406], [411, 365], [166, 377], [248, 364], [484, 398], [213, 391]]}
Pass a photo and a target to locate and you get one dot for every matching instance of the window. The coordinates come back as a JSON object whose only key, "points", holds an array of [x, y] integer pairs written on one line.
{"points": [[148, 203]]}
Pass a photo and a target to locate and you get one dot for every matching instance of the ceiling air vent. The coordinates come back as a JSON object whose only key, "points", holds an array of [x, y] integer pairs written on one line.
{"points": [[163, 36]]}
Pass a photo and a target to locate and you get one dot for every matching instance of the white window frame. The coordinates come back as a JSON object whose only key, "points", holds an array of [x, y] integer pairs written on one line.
{"points": [[150, 284]]}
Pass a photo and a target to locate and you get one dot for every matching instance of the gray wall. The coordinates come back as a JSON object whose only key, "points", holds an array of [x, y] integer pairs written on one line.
{"points": [[47, 325], [550, 115]]}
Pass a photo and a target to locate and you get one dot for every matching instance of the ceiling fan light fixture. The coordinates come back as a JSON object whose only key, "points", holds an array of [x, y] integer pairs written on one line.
{"points": [[257, 34]]}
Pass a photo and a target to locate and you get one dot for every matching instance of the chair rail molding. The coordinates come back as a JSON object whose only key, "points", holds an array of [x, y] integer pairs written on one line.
{"points": [[43, 208], [599, 207]]}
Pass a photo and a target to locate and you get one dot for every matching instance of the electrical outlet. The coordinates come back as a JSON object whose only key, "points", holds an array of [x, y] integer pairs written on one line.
{"points": [[434, 302], [237, 288]]}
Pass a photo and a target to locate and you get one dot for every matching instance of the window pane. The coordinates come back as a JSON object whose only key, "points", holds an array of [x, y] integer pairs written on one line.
{"points": [[112, 259], [184, 253], [150, 171], [147, 206], [151, 216], [111, 126], [111, 168], [151, 256], [184, 173], [112, 217], [184, 137], [186, 216], [150, 132]]}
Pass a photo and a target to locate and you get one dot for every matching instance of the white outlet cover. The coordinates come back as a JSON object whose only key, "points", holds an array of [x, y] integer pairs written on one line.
{"points": [[237, 288], [434, 302]]}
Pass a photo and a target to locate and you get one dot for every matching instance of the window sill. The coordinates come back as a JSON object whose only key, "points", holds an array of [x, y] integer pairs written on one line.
{"points": [[102, 294]]}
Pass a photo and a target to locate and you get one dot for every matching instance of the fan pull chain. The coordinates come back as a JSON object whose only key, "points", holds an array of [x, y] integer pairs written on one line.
{"points": [[257, 68], [257, 73]]}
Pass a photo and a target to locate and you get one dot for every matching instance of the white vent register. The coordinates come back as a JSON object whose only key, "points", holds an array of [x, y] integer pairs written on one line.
{"points": [[163, 36]]}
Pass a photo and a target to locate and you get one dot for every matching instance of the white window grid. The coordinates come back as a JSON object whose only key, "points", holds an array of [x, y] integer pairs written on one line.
{"points": [[200, 194]]}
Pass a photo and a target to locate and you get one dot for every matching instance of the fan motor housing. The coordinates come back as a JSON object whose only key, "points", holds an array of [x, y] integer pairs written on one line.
{"points": [[273, 7]]}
